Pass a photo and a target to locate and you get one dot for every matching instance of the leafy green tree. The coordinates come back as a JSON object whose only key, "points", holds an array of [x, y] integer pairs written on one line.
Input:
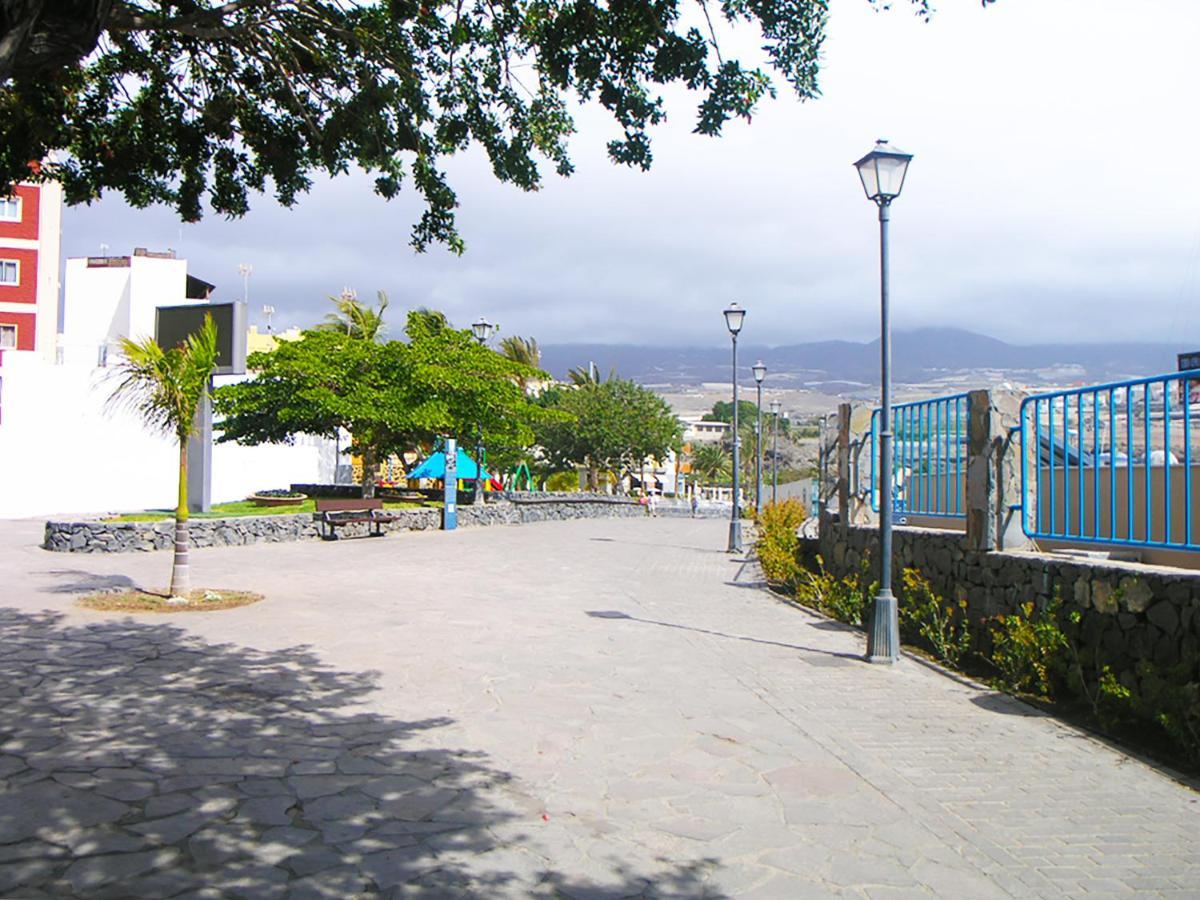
{"points": [[165, 388], [390, 396], [326, 381], [459, 387], [204, 101], [722, 411], [615, 425]]}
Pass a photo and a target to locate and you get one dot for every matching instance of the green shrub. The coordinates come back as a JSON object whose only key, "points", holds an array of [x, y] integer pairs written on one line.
{"points": [[1170, 697], [1028, 648], [563, 481], [845, 599], [939, 623], [778, 542]]}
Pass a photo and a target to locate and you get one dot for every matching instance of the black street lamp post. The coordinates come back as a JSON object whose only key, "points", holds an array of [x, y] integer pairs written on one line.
{"points": [[734, 316], [882, 172], [482, 329], [760, 372], [775, 405]]}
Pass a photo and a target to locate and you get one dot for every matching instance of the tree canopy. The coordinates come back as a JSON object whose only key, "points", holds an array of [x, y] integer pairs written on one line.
{"points": [[614, 425], [205, 101], [390, 396], [722, 411]]}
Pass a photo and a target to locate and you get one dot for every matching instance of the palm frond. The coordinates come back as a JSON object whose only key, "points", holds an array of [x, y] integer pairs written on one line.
{"points": [[164, 387]]}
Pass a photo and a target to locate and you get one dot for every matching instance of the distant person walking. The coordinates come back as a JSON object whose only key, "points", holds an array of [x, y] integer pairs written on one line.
{"points": [[695, 504]]}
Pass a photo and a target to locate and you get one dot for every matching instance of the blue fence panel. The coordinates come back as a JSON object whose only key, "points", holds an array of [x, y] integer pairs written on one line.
{"points": [[1111, 463], [929, 457]]}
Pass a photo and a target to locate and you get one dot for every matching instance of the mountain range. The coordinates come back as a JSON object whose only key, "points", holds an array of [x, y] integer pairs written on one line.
{"points": [[919, 356]]}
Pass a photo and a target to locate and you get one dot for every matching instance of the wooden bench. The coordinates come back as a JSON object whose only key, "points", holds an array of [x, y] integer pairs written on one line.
{"points": [[334, 512]]}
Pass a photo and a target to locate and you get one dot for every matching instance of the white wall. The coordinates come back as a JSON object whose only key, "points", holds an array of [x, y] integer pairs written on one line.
{"points": [[49, 254], [64, 450]]}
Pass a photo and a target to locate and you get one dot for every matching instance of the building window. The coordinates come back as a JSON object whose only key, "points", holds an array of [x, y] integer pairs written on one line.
{"points": [[8, 337], [10, 209], [10, 271]]}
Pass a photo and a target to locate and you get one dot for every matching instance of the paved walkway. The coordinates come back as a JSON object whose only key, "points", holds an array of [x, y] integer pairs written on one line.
{"points": [[581, 709]]}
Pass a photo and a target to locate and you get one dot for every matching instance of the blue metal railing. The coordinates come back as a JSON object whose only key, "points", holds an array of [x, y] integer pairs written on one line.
{"points": [[1112, 463], [929, 457]]}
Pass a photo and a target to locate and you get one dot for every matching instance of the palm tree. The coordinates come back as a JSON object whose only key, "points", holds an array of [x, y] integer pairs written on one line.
{"points": [[581, 377], [354, 318], [165, 388], [524, 351], [710, 462]]}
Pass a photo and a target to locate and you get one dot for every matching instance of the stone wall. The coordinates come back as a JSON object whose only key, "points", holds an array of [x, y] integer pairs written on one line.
{"points": [[1132, 612], [500, 509]]}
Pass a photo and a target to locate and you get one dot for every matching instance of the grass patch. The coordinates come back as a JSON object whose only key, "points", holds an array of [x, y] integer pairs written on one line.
{"points": [[199, 600], [239, 508]]}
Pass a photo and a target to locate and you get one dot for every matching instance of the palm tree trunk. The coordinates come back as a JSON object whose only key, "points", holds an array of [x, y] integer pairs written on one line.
{"points": [[181, 578]]}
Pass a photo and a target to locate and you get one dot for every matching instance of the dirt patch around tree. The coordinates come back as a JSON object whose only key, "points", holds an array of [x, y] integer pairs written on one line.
{"points": [[199, 600]]}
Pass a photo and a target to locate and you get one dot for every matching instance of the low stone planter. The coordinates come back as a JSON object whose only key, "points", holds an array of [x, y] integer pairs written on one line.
{"points": [[500, 509], [268, 500]]}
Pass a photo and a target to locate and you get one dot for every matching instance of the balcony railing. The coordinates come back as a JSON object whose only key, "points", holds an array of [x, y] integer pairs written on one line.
{"points": [[1112, 463]]}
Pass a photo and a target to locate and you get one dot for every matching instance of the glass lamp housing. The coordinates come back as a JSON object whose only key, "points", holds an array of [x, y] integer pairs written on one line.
{"points": [[734, 315], [759, 370], [882, 172]]}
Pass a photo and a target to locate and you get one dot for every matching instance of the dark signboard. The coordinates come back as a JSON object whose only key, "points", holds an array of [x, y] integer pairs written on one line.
{"points": [[1189, 362], [174, 324]]}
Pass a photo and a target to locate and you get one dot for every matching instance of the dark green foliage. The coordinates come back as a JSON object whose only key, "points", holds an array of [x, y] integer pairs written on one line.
{"points": [[203, 102], [611, 426], [390, 396], [722, 411]]}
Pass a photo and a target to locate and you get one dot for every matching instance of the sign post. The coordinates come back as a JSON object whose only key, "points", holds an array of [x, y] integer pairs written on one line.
{"points": [[172, 326], [450, 486]]}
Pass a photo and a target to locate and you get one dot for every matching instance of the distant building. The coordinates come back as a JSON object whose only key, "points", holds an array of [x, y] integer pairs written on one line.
{"points": [[30, 238], [106, 298], [697, 431], [259, 342]]}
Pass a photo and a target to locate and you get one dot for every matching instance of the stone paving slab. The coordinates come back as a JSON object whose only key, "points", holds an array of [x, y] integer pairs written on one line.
{"points": [[579, 709]]}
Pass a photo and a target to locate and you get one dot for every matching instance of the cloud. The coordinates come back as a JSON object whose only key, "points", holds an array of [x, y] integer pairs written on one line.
{"points": [[1045, 201]]}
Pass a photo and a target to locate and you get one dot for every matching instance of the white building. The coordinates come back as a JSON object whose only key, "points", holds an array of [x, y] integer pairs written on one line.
{"points": [[64, 449], [698, 431], [109, 297]]}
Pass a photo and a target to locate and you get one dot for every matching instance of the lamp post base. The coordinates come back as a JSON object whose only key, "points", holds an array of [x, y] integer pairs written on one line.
{"points": [[735, 537], [883, 635]]}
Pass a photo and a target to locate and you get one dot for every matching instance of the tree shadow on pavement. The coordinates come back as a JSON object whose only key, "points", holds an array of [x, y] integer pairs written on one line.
{"points": [[82, 582], [137, 760]]}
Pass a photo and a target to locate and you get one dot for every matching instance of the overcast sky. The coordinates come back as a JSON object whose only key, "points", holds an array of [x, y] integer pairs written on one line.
{"points": [[1053, 196]]}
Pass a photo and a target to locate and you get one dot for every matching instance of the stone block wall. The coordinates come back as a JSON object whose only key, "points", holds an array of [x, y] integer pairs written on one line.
{"points": [[1131, 612], [500, 509]]}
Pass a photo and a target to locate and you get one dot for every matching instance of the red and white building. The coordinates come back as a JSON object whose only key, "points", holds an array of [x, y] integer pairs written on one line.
{"points": [[30, 239]]}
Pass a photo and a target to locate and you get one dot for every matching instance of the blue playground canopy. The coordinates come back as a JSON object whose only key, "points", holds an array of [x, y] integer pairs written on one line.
{"points": [[434, 466]]}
